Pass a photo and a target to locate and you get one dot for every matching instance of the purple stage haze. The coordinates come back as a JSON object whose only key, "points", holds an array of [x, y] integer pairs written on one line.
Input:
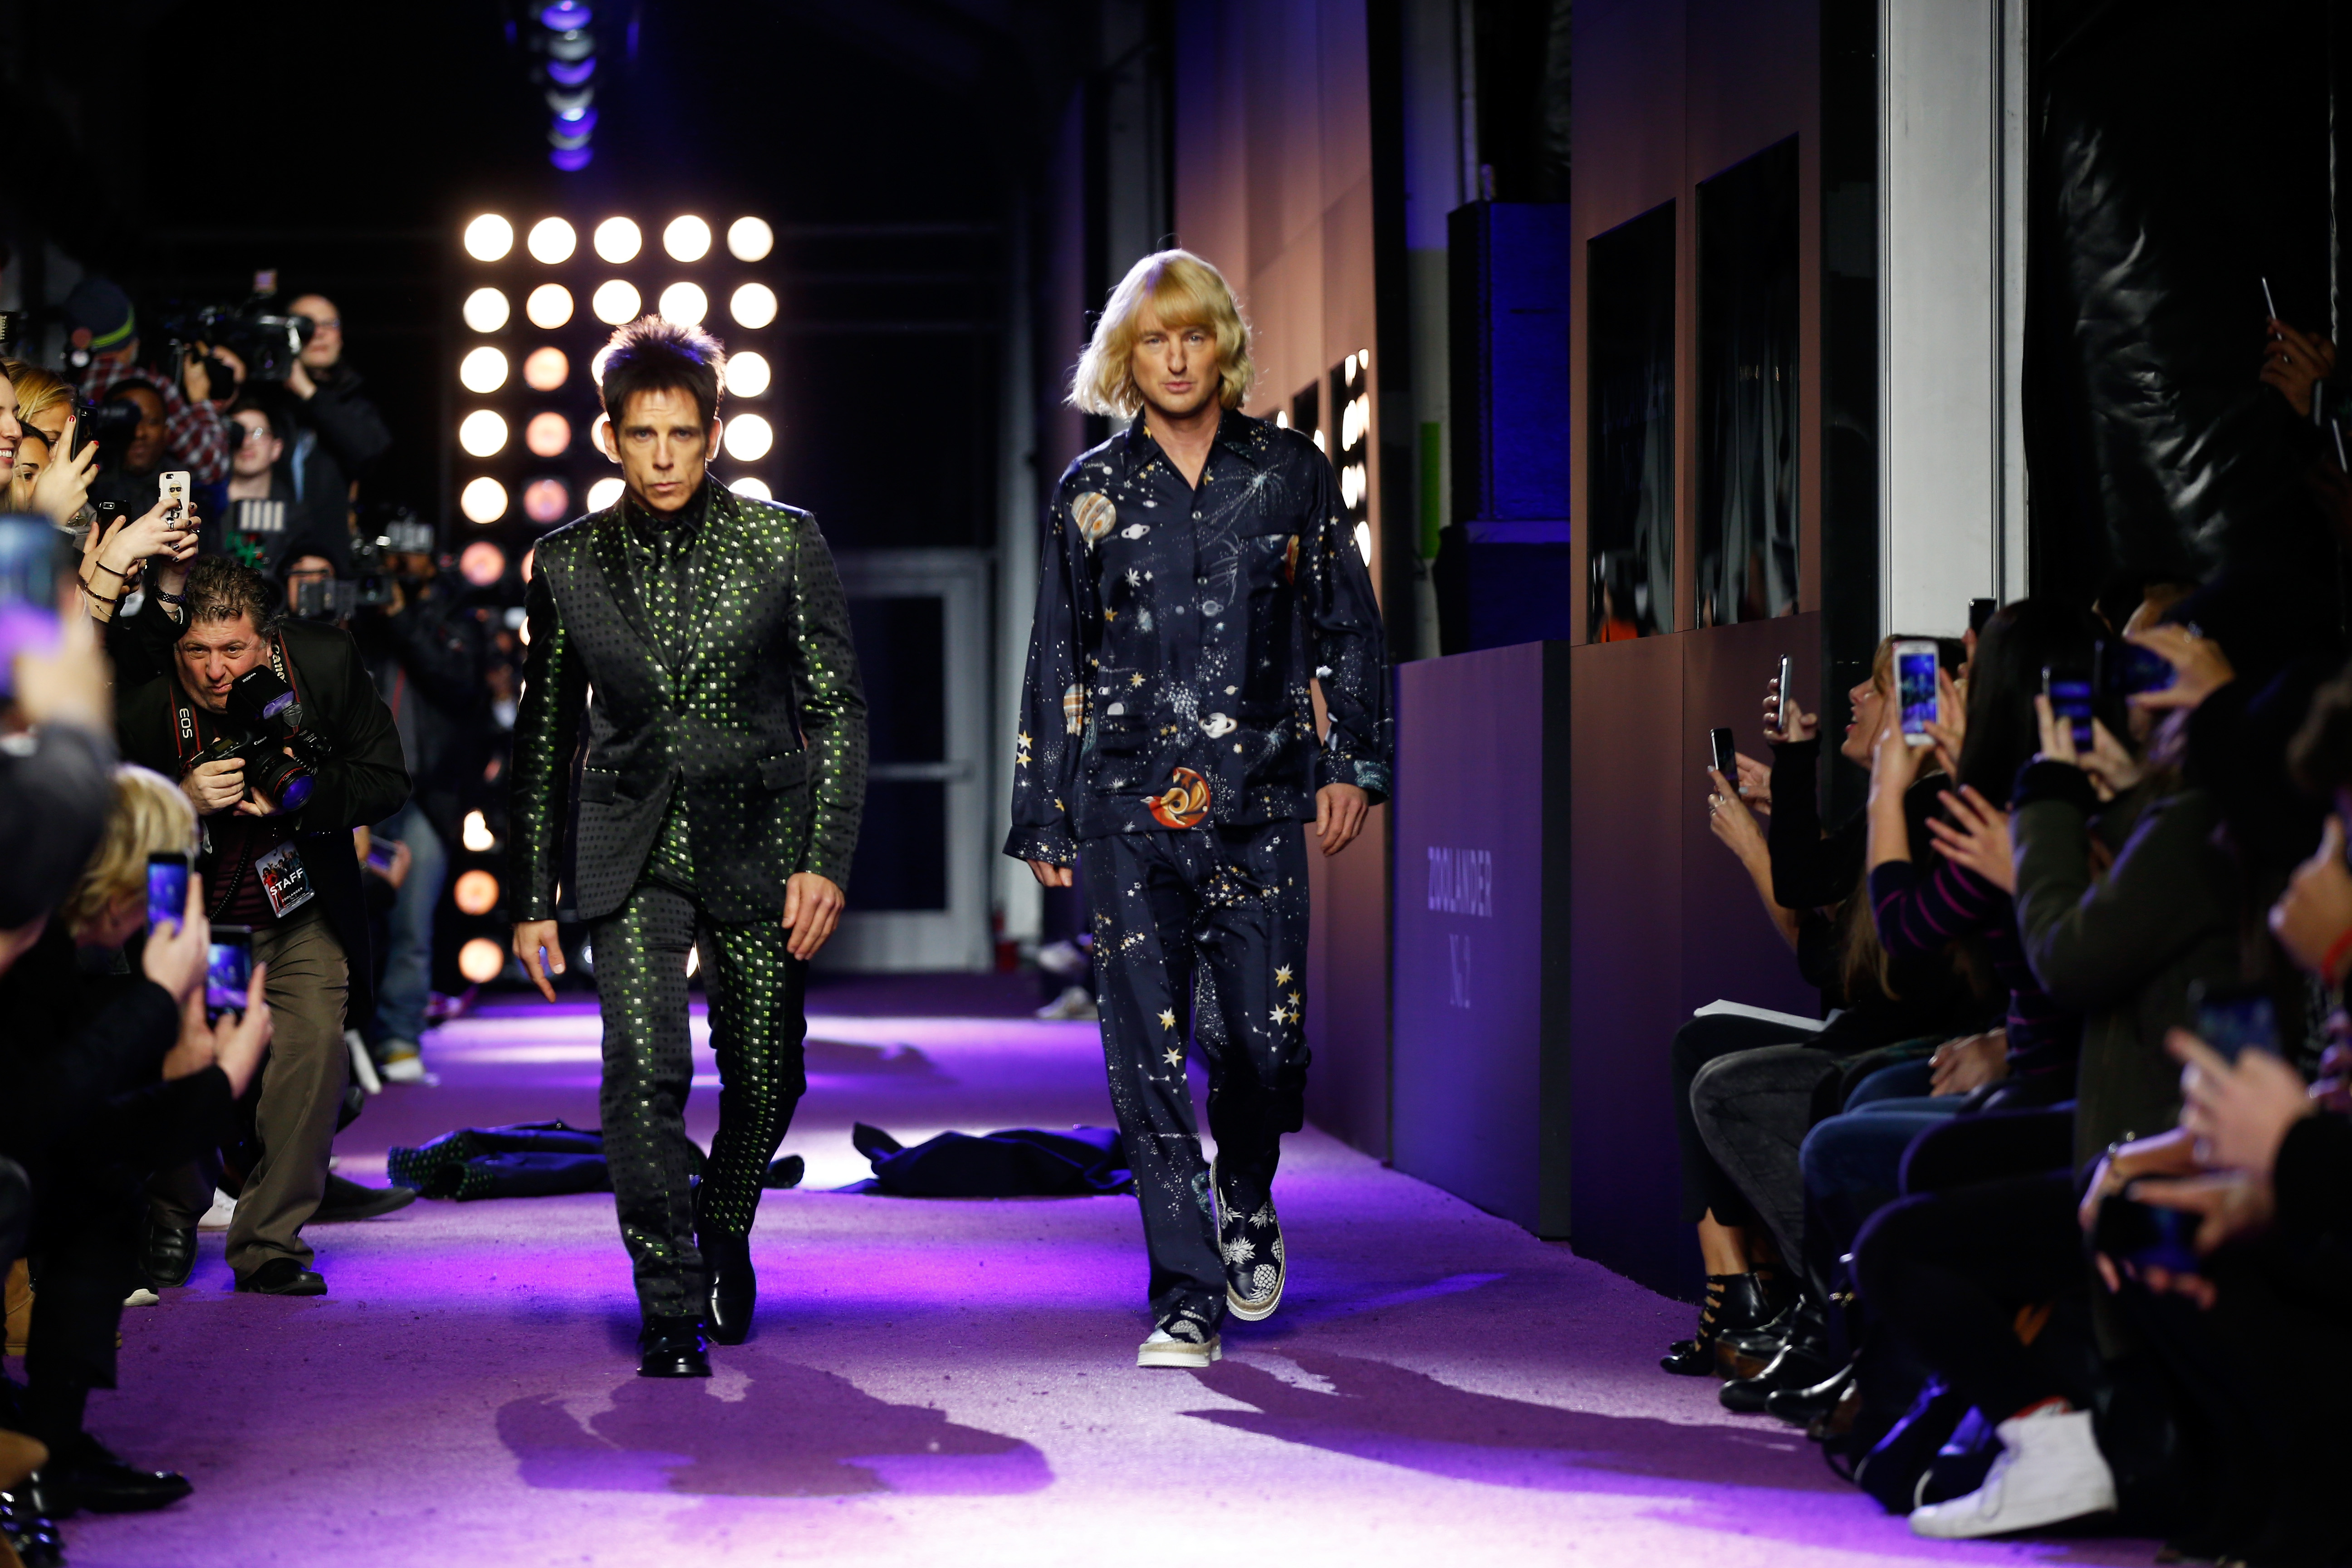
{"points": [[942, 1382]]}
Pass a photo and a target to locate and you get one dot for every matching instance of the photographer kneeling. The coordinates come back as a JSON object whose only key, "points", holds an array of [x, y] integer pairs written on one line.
{"points": [[277, 737]]}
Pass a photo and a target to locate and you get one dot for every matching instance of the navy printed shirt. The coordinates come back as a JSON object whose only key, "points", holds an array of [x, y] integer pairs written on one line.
{"points": [[1177, 636]]}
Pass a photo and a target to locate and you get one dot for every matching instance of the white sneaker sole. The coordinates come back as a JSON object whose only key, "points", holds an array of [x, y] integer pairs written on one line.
{"points": [[1179, 1353]]}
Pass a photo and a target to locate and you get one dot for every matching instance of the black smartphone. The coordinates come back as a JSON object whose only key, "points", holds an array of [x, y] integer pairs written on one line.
{"points": [[1980, 611], [29, 556], [2233, 1018], [228, 970], [2270, 306], [1726, 756], [167, 890], [2129, 669], [2071, 695], [2145, 1234]]}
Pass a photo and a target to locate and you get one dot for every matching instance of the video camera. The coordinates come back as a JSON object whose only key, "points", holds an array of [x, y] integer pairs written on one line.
{"points": [[268, 340], [375, 567], [272, 717]]}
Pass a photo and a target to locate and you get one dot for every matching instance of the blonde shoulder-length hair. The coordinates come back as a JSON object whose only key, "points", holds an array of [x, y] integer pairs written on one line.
{"points": [[1182, 290], [149, 816]]}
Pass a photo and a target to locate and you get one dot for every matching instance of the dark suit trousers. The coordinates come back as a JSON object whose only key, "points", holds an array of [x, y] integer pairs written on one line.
{"points": [[757, 1022]]}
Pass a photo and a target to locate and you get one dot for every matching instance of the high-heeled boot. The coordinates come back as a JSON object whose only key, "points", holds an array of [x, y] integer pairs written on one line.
{"points": [[1736, 1304]]}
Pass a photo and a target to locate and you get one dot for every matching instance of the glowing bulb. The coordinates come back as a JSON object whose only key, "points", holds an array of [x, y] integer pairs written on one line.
{"points": [[481, 563], [475, 892], [480, 959], [748, 436], [482, 369], [693, 960], [755, 488], [552, 240], [687, 239], [750, 239], [618, 240], [603, 494], [486, 309], [754, 305], [543, 369], [489, 237], [747, 373], [1281, 416], [1364, 541], [615, 302], [596, 366], [548, 434], [544, 501], [474, 833], [549, 307], [529, 558], [684, 303], [483, 501], [482, 434]]}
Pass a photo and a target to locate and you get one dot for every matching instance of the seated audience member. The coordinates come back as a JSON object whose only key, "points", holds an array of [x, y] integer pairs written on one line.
{"points": [[1809, 882], [103, 1077]]}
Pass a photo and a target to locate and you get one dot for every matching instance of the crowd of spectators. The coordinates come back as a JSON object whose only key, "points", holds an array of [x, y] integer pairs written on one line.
{"points": [[303, 756], [2041, 1224]]}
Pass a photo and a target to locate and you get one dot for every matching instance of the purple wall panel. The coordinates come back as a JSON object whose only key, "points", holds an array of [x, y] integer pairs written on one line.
{"points": [[1471, 815]]}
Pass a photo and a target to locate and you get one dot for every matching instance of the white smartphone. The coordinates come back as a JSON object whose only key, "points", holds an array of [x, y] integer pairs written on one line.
{"points": [[173, 485], [1914, 689]]}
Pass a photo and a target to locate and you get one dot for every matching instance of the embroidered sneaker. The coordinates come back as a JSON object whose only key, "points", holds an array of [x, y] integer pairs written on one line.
{"points": [[2048, 1468], [1180, 1339], [1252, 1243]]}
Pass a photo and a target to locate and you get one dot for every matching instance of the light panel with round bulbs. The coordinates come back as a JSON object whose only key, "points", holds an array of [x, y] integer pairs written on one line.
{"points": [[753, 305], [756, 489], [552, 240], [748, 438], [489, 237], [486, 309], [482, 369], [481, 960], [544, 368], [747, 373], [548, 434], [549, 307], [482, 432], [603, 493], [684, 303], [616, 302], [686, 238], [618, 239], [483, 501], [750, 239]]}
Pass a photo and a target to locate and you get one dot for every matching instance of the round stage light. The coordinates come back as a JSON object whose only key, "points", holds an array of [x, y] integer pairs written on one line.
{"points": [[596, 366], [481, 563], [748, 436], [543, 369], [747, 373], [482, 369], [475, 892], [489, 237], [618, 240], [549, 307], [481, 960], [482, 434], [486, 309], [750, 239], [473, 833], [545, 501], [483, 501], [684, 303], [615, 302], [552, 240], [687, 239], [756, 489], [603, 494], [548, 434], [754, 305]]}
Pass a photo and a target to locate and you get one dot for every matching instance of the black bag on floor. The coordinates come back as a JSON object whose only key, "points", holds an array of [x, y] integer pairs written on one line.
{"points": [[1019, 1162], [523, 1159]]}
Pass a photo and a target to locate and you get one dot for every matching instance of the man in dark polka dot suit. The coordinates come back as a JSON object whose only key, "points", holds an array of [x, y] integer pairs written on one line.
{"points": [[704, 640]]}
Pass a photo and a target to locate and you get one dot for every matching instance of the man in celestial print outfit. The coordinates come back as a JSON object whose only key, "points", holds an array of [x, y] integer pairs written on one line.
{"points": [[1200, 577], [705, 639]]}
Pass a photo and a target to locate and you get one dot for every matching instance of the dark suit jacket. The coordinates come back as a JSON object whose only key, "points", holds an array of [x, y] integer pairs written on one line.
{"points": [[763, 723], [365, 783]]}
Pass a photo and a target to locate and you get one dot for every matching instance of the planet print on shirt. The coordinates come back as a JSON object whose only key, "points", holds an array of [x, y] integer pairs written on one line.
{"points": [[1185, 803], [1095, 516]]}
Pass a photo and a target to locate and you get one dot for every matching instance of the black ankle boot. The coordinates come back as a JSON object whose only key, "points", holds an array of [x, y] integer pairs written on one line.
{"points": [[733, 1286], [672, 1347], [1801, 1362], [1736, 1304]]}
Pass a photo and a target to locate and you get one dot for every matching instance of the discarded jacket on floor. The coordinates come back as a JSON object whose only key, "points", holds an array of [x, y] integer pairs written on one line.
{"points": [[527, 1160], [1019, 1162]]}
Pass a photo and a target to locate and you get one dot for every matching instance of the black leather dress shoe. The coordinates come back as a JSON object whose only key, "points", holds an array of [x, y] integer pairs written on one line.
{"points": [[672, 1347], [1803, 1406], [85, 1474], [167, 1255], [350, 1201], [282, 1277], [733, 1286], [32, 1534]]}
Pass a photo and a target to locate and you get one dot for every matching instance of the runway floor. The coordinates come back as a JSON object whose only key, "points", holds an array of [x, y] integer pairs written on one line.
{"points": [[942, 1382]]}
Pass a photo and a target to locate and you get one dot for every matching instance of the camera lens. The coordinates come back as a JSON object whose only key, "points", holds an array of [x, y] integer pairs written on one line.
{"points": [[277, 777]]}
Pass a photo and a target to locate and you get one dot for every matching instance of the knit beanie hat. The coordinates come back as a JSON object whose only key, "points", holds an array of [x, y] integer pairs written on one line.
{"points": [[99, 316]]}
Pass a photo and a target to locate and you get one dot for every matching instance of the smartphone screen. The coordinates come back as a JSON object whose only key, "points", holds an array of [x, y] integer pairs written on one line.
{"points": [[2139, 669], [167, 890], [28, 591], [228, 969], [1980, 611], [1788, 691], [2069, 692], [1726, 756], [2231, 1019], [1915, 682]]}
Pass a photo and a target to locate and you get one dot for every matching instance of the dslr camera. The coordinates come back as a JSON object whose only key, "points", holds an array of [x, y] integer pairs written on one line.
{"points": [[375, 564], [269, 341], [272, 717]]}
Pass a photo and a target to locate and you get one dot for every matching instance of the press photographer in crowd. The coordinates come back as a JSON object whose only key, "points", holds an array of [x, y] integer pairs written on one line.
{"points": [[429, 652], [259, 506], [337, 433], [275, 734], [192, 432]]}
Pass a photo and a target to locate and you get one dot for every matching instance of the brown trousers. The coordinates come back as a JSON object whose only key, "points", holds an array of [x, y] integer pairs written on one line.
{"points": [[302, 1083]]}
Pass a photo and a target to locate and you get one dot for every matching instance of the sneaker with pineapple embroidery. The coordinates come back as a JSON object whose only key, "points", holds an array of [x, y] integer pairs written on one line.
{"points": [[1252, 1243], [1183, 1338]]}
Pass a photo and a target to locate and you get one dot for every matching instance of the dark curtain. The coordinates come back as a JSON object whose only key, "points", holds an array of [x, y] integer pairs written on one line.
{"points": [[1630, 307], [1748, 390]]}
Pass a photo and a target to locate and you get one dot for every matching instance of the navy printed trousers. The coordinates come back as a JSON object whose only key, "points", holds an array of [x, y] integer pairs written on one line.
{"points": [[1200, 933]]}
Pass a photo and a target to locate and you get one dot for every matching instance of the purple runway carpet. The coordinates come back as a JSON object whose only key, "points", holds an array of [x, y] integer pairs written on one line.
{"points": [[942, 1382]]}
